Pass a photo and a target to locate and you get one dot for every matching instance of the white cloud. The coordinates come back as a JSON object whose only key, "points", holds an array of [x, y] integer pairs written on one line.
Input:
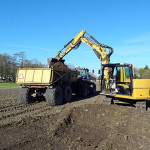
{"points": [[30, 47], [132, 50], [5, 51], [137, 55], [139, 39]]}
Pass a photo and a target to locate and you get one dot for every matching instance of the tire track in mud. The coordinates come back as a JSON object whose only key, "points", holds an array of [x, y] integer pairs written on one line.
{"points": [[19, 110], [9, 97], [9, 103], [23, 112], [15, 115], [15, 107], [11, 108]]}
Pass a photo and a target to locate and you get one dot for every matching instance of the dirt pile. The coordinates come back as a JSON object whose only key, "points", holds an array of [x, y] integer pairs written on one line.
{"points": [[103, 127], [82, 125], [8, 98]]}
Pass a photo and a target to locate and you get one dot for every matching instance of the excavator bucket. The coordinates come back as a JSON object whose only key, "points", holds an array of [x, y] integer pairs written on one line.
{"points": [[52, 61]]}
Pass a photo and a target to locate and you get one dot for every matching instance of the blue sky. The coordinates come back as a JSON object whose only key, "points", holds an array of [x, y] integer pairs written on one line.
{"points": [[40, 28]]}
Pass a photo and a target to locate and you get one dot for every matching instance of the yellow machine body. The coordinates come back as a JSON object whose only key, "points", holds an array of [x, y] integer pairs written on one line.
{"points": [[141, 90], [125, 86]]}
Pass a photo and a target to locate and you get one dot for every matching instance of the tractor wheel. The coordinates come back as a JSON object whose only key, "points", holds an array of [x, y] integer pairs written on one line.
{"points": [[25, 95], [92, 89], [54, 96], [67, 94], [82, 90]]}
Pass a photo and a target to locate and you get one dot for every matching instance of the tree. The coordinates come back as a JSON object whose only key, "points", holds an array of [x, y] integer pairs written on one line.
{"points": [[33, 64], [6, 62], [146, 67], [19, 59], [138, 73], [146, 74], [10, 64]]}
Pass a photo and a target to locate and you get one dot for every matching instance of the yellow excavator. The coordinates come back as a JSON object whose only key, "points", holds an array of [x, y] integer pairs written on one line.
{"points": [[117, 81], [98, 48]]}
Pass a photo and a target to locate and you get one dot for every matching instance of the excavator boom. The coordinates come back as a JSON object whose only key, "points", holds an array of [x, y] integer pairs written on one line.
{"points": [[98, 48]]}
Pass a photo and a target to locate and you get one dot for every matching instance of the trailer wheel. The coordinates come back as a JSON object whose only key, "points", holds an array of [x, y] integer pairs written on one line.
{"points": [[25, 95], [92, 89], [54, 96], [67, 94], [82, 90]]}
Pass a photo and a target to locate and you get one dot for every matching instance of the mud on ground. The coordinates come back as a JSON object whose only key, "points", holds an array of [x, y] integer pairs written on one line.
{"points": [[83, 125]]}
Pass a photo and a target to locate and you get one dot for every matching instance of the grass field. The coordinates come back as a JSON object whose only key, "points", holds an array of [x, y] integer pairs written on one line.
{"points": [[8, 85]]}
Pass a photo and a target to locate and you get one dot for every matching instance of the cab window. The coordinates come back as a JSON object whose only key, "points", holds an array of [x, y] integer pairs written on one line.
{"points": [[127, 72], [118, 74]]}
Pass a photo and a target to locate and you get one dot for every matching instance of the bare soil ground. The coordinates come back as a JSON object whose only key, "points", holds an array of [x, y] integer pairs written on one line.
{"points": [[81, 125]]}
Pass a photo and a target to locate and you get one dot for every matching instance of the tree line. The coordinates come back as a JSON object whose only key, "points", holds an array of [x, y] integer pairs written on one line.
{"points": [[10, 63], [142, 73]]}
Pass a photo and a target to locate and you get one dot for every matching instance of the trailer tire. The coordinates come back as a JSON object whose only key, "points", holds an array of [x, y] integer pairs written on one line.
{"points": [[25, 95], [54, 96], [67, 94], [92, 89], [82, 90]]}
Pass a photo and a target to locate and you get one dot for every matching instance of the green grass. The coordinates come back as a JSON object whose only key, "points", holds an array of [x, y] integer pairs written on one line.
{"points": [[8, 85]]}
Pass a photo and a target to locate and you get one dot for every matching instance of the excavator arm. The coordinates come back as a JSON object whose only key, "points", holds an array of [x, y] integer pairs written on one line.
{"points": [[74, 43], [98, 48]]}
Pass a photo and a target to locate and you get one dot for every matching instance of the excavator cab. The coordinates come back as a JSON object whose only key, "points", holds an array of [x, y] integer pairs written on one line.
{"points": [[120, 79]]}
